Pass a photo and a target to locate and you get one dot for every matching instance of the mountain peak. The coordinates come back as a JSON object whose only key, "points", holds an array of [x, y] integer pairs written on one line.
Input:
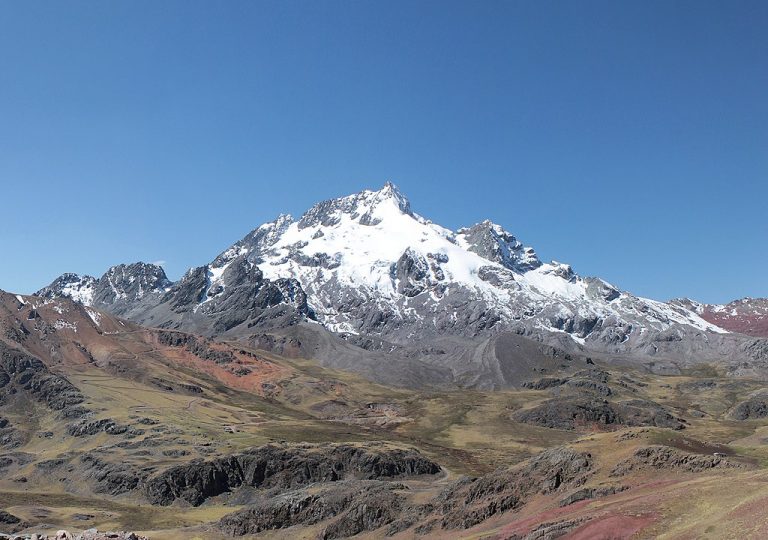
{"points": [[69, 285], [491, 241], [367, 207], [388, 193], [122, 282]]}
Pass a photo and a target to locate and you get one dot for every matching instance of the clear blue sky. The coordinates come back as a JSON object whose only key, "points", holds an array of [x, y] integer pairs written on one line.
{"points": [[629, 138]]}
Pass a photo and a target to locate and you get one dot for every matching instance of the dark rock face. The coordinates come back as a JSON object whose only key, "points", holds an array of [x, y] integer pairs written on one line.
{"points": [[360, 506], [9, 436], [590, 386], [86, 427], [544, 383], [367, 512], [640, 412], [584, 494], [667, 458], [597, 288], [142, 292], [469, 502], [10, 523], [354, 507], [129, 283], [495, 244], [199, 347], [242, 295], [752, 408], [111, 478], [550, 531], [188, 291], [20, 372], [572, 324], [570, 413], [591, 381], [411, 273], [283, 467]]}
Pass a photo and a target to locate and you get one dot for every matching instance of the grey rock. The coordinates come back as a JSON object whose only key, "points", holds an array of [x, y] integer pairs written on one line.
{"points": [[359, 505], [284, 467], [572, 412], [667, 458], [753, 408], [471, 501]]}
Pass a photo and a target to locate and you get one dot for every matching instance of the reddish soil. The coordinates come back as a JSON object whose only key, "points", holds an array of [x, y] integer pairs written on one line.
{"points": [[747, 316], [261, 371], [612, 527]]}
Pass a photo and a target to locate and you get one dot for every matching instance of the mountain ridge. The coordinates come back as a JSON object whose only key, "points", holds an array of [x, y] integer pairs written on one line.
{"points": [[379, 277]]}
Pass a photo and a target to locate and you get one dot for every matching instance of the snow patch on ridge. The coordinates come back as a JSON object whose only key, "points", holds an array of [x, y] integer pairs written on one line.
{"points": [[94, 315]]}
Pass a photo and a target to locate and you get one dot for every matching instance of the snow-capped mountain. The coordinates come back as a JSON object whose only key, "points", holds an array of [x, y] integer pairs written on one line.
{"points": [[370, 269], [747, 315], [367, 264], [370, 265], [121, 286]]}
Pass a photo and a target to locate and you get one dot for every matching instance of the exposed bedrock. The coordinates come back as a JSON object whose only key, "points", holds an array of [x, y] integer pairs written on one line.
{"points": [[283, 467]]}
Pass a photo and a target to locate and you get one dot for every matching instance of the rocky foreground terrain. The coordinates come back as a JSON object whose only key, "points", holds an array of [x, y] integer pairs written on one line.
{"points": [[362, 372], [90, 534]]}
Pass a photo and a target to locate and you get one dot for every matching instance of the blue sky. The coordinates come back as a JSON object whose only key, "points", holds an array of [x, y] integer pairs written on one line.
{"points": [[629, 139]]}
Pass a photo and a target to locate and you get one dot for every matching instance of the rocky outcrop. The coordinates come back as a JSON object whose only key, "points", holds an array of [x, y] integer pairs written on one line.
{"points": [[23, 373], [667, 458], [495, 244], [10, 523], [588, 380], [111, 478], [753, 408], [545, 383], [471, 501], [9, 436], [283, 467], [355, 507], [412, 273], [585, 494], [199, 347], [87, 427], [574, 412]]}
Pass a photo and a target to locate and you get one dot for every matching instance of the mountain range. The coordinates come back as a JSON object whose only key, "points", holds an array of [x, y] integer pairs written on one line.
{"points": [[366, 284]]}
